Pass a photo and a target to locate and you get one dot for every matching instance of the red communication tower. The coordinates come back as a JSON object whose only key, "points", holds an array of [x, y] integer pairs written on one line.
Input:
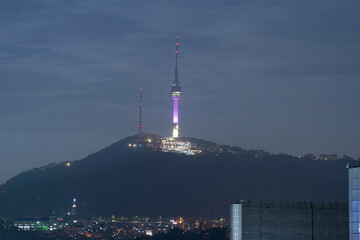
{"points": [[140, 113]]}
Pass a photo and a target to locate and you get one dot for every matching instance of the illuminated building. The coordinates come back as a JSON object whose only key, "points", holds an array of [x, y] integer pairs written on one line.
{"points": [[36, 224], [235, 221], [354, 201], [176, 145], [73, 208], [176, 94], [267, 220]]}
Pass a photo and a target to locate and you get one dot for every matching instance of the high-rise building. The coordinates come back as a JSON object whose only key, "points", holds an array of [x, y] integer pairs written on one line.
{"points": [[176, 94], [354, 201], [235, 220], [269, 220]]}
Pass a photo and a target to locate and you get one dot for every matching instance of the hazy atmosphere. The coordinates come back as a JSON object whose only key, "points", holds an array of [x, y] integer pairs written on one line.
{"points": [[282, 76]]}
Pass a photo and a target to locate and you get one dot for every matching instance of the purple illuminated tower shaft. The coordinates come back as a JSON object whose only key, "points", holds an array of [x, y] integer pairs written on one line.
{"points": [[176, 94], [176, 110], [175, 132]]}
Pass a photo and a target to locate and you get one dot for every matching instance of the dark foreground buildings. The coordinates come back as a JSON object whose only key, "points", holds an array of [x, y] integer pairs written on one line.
{"points": [[354, 200], [267, 220]]}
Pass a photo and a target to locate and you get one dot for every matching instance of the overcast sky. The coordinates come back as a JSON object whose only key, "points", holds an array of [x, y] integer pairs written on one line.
{"points": [[283, 76]]}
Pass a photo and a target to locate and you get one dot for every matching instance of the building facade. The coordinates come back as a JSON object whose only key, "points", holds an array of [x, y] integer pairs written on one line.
{"points": [[37, 224], [354, 201], [268, 220]]}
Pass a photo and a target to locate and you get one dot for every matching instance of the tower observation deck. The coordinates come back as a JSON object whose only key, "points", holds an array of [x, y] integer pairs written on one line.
{"points": [[176, 94]]}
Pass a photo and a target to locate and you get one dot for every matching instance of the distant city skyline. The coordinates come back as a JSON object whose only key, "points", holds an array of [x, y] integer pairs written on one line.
{"points": [[279, 76]]}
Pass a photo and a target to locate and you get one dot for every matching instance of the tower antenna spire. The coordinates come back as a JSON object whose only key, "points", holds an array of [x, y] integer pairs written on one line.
{"points": [[140, 127], [176, 79]]}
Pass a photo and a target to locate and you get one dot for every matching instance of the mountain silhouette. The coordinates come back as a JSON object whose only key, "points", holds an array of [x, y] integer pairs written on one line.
{"points": [[143, 181]]}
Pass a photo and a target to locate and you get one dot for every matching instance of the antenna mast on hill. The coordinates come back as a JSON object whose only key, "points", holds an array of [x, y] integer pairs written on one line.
{"points": [[140, 113]]}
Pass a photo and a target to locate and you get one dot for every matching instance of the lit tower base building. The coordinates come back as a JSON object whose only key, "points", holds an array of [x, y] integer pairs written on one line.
{"points": [[174, 143]]}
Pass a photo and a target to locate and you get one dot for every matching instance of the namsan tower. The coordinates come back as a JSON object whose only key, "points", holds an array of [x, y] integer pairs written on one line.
{"points": [[175, 143], [176, 94]]}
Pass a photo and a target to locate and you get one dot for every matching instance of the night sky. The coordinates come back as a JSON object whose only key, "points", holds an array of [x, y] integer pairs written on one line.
{"points": [[283, 76]]}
